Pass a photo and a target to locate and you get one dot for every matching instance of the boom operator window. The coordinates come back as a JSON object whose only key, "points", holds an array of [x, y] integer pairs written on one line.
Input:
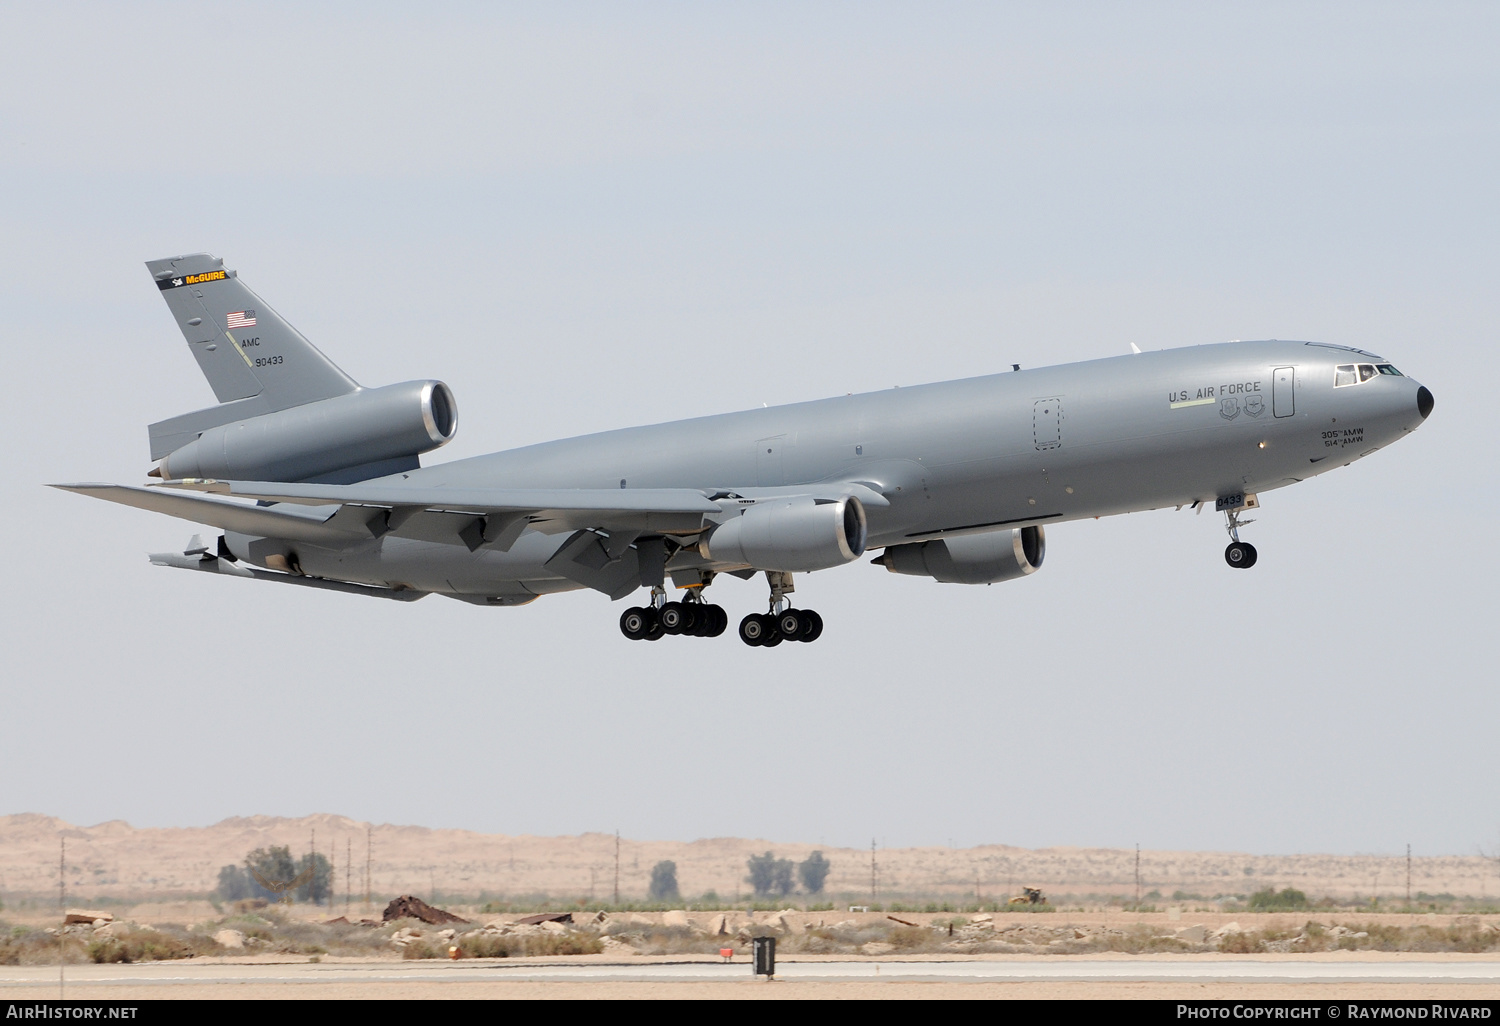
{"points": [[1359, 373]]}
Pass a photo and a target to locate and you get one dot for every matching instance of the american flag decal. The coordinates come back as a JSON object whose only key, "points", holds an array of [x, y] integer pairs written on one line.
{"points": [[242, 319]]}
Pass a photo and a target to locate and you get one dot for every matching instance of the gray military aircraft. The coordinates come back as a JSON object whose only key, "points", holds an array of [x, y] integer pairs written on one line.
{"points": [[316, 481]]}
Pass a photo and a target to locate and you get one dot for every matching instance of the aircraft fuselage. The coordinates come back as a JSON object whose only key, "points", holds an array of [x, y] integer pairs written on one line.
{"points": [[1037, 446]]}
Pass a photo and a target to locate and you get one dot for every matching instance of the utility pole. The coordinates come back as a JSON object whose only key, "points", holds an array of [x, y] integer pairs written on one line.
{"points": [[367, 868], [617, 867], [1408, 877], [874, 879], [62, 906], [348, 871], [1138, 876], [312, 863]]}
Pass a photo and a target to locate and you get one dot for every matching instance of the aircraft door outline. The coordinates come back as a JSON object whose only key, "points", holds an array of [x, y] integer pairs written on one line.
{"points": [[1046, 423], [769, 468], [1283, 389]]}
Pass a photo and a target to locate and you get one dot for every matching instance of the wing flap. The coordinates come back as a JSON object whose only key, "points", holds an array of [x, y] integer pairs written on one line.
{"points": [[223, 514], [214, 565], [464, 500]]}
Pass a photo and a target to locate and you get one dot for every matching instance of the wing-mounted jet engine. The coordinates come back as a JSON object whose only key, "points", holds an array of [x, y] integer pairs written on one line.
{"points": [[798, 533], [970, 558]]}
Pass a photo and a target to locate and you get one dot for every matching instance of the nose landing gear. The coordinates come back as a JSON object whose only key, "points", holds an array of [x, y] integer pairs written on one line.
{"points": [[1239, 554]]}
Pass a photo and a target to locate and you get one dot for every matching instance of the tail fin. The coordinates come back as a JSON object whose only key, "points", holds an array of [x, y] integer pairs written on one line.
{"points": [[255, 362]]}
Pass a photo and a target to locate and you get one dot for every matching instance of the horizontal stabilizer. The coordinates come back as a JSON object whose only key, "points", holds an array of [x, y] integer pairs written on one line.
{"points": [[223, 514], [172, 434], [214, 565]]}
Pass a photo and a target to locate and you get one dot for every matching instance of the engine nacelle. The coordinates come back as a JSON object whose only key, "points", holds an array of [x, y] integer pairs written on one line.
{"points": [[971, 558], [369, 426], [793, 534]]}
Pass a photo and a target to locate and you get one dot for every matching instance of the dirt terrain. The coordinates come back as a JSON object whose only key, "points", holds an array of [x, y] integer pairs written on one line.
{"points": [[117, 860]]}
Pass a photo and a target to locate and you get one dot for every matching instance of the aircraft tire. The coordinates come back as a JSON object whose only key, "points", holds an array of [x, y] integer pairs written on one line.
{"points": [[675, 619], [1240, 555], [717, 622], [1253, 556], [754, 630], [633, 623], [792, 625], [815, 627]]}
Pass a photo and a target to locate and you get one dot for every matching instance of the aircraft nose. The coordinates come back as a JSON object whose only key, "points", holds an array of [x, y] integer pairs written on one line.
{"points": [[1424, 401]]}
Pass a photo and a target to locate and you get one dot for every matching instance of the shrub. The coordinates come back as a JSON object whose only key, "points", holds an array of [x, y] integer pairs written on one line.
{"points": [[813, 871], [1269, 900], [769, 875], [663, 880], [149, 946], [478, 944]]}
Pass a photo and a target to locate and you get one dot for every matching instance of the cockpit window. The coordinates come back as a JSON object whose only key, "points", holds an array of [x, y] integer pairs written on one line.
{"points": [[1359, 373]]}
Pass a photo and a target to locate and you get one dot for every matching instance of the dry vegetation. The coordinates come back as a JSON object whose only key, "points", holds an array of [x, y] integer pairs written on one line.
{"points": [[276, 932]]}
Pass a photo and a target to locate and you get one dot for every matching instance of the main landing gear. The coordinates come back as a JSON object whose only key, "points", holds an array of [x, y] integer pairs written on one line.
{"points": [[781, 622], [1240, 554], [769, 630], [692, 616]]}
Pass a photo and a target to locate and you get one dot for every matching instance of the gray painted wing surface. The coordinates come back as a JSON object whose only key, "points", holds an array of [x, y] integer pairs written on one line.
{"points": [[222, 513]]}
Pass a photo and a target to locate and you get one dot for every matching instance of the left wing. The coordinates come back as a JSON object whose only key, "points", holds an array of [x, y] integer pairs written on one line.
{"points": [[482, 516]]}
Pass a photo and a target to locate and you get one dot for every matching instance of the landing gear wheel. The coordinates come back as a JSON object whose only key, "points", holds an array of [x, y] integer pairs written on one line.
{"points": [[634, 623], [754, 630], [677, 618], [792, 625], [717, 622], [814, 628], [1240, 555]]}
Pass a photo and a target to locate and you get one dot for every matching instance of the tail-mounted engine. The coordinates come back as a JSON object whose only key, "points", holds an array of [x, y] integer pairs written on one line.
{"points": [[373, 431]]}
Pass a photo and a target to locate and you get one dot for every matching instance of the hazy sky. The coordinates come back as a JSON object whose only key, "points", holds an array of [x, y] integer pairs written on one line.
{"points": [[591, 216]]}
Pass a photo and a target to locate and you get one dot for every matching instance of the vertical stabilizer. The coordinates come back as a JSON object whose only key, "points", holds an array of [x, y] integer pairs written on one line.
{"points": [[243, 347]]}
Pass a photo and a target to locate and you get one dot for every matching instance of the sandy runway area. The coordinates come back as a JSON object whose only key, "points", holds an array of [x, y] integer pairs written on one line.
{"points": [[1411, 977]]}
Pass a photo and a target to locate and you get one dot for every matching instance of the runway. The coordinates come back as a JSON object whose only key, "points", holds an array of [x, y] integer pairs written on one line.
{"points": [[20, 981]]}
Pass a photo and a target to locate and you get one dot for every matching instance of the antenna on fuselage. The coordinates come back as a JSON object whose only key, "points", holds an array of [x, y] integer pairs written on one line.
{"points": [[1015, 366]]}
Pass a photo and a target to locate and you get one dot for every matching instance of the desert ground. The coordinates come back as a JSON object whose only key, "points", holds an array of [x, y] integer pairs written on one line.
{"points": [[119, 861], [1190, 940]]}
